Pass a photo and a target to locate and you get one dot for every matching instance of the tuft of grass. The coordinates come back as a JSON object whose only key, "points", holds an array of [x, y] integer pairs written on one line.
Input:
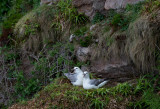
{"points": [[142, 84], [106, 28], [68, 12], [109, 40], [149, 100], [151, 5], [125, 89], [97, 103]]}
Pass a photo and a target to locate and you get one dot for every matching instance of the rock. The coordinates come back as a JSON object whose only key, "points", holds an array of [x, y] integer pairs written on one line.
{"points": [[82, 54], [93, 27], [49, 2], [79, 3], [89, 7], [85, 68], [1, 98], [87, 10], [116, 71], [98, 5], [117, 4]]}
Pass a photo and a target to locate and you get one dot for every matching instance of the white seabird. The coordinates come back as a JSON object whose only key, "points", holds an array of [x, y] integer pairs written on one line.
{"points": [[76, 78], [92, 83], [71, 37]]}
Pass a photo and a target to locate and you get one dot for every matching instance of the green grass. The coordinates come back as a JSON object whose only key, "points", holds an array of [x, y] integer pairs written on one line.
{"points": [[73, 96], [65, 10]]}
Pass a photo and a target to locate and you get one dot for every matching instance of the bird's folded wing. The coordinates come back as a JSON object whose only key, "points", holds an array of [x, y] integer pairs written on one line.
{"points": [[96, 82], [72, 77]]}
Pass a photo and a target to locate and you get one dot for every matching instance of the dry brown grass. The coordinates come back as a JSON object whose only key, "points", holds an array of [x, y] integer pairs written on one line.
{"points": [[141, 45], [137, 45]]}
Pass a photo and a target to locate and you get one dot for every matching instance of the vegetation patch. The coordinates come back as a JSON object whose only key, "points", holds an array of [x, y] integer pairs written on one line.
{"points": [[67, 12], [62, 92], [131, 13], [86, 41], [41, 70], [81, 31], [98, 18]]}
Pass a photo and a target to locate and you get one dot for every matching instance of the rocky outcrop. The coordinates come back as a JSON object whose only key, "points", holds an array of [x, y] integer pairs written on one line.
{"points": [[117, 4], [116, 70], [82, 54], [48, 2], [130, 53], [90, 7]]}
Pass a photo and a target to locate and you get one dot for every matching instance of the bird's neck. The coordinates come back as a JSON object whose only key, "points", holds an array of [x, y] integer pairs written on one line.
{"points": [[87, 78]]}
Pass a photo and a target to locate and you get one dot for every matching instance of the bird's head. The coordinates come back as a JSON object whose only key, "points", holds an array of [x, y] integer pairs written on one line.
{"points": [[77, 70], [86, 74]]}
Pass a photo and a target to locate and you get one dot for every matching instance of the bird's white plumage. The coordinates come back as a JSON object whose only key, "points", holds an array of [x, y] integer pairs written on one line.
{"points": [[92, 83], [71, 37], [76, 78]]}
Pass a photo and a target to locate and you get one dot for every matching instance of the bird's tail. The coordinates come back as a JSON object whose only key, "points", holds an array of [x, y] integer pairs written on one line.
{"points": [[103, 83]]}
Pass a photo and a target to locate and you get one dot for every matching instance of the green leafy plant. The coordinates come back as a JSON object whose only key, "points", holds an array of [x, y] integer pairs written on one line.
{"points": [[124, 89], [97, 103], [68, 12], [81, 31], [25, 88], [11, 20], [142, 85], [116, 19], [151, 5], [12, 10], [136, 8], [31, 29], [123, 20], [86, 41], [5, 7], [98, 18], [149, 100]]}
